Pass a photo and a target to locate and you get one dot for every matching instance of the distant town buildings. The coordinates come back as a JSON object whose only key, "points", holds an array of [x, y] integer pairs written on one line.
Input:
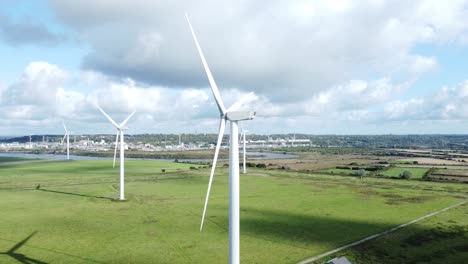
{"points": [[104, 143]]}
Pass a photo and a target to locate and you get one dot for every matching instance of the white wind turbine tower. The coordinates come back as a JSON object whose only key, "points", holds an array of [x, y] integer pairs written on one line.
{"points": [[67, 136], [120, 130], [244, 168], [233, 116]]}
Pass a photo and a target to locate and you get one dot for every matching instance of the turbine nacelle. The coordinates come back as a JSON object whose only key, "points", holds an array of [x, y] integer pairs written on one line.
{"points": [[240, 115]]}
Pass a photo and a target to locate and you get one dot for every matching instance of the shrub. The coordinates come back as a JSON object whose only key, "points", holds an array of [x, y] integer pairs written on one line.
{"points": [[193, 168], [163, 170], [406, 174], [250, 165], [261, 165], [361, 173]]}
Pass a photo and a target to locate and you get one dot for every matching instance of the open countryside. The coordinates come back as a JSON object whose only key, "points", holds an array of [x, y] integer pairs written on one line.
{"points": [[71, 207], [253, 132]]}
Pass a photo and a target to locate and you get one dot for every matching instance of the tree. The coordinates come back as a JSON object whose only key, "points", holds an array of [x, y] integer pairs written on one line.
{"points": [[406, 174]]}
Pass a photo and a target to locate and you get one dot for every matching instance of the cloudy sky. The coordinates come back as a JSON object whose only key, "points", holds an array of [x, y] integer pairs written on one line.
{"points": [[317, 67]]}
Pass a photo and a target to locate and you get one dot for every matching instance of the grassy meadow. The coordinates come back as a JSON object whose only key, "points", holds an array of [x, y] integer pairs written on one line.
{"points": [[416, 173], [285, 216]]}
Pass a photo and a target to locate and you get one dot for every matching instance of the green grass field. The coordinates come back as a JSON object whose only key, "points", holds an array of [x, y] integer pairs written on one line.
{"points": [[285, 216], [13, 159], [417, 173]]}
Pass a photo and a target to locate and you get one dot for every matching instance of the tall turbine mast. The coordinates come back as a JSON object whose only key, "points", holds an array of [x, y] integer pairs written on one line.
{"points": [[67, 136], [233, 116]]}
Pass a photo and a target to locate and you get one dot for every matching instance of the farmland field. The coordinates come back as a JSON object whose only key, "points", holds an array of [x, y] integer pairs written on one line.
{"points": [[416, 173], [286, 217]]}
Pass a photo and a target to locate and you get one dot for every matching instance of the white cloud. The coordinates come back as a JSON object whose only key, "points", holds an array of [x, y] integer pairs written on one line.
{"points": [[403, 109], [69, 103], [307, 62], [37, 85], [420, 64], [284, 51], [447, 104], [46, 94]]}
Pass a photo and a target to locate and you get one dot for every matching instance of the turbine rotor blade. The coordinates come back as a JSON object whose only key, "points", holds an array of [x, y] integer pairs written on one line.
{"points": [[108, 117], [222, 125], [64, 127], [243, 100], [63, 139], [116, 143], [214, 87], [126, 120]]}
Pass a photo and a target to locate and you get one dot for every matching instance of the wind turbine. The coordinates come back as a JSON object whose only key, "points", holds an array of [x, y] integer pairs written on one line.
{"points": [[233, 116], [67, 136], [243, 131], [120, 130]]}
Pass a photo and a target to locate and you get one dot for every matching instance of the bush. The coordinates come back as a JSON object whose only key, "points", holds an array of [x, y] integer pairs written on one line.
{"points": [[193, 168], [163, 170], [250, 165], [261, 165], [361, 173], [406, 174]]}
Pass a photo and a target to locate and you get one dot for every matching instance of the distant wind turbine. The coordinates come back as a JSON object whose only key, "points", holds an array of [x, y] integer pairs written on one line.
{"points": [[67, 136], [120, 130], [233, 116], [244, 168]]}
